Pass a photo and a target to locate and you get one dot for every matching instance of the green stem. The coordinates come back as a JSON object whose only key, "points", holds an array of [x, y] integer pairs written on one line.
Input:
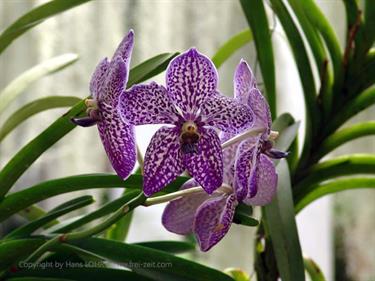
{"points": [[172, 196]]}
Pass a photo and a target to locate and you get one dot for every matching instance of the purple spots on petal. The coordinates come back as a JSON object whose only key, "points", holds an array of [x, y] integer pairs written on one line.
{"points": [[147, 104], [125, 48], [261, 110], [118, 141], [226, 114], [213, 220], [97, 79], [206, 166], [191, 78], [244, 81], [267, 183], [163, 160]]}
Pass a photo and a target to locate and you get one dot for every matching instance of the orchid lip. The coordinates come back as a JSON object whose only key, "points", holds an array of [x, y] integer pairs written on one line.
{"points": [[84, 121]]}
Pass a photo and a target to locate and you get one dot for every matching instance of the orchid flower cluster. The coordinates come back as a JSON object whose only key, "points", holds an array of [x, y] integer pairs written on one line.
{"points": [[224, 144]]}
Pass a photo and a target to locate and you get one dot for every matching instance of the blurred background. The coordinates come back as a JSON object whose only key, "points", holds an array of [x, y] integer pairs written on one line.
{"points": [[336, 231]]}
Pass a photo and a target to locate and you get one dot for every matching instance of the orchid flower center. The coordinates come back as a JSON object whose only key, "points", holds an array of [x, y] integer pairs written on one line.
{"points": [[92, 109], [189, 137]]}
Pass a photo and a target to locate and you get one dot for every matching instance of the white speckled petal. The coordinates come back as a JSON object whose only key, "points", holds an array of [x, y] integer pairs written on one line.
{"points": [[97, 79], [261, 110], [213, 220], [178, 215], [267, 183], [244, 81], [229, 156], [147, 104], [114, 82], [226, 114], [125, 48], [118, 141], [206, 166], [163, 160], [191, 78], [246, 169]]}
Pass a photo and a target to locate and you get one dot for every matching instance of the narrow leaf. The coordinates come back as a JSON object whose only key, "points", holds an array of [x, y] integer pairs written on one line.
{"points": [[282, 229], [174, 268], [256, 17], [172, 247], [61, 210], [231, 46], [33, 108], [313, 270], [319, 190], [22, 82], [35, 17]]}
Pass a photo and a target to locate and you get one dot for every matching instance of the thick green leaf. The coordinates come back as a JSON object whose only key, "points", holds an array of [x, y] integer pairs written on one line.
{"points": [[343, 136], [305, 72], [92, 273], [313, 270], [244, 219], [231, 46], [341, 166], [33, 108], [61, 210], [319, 21], [22, 82], [281, 227], [150, 68], [37, 279], [62, 126], [12, 251], [173, 247], [319, 190], [155, 264], [256, 17], [353, 107], [32, 212], [369, 27], [35, 17], [99, 213], [19, 200]]}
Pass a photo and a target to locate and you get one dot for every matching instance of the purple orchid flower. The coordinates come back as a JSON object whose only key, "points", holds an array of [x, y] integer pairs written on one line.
{"points": [[209, 217], [192, 105], [254, 170], [107, 83]]}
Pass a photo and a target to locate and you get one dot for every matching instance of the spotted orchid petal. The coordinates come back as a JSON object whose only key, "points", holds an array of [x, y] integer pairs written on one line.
{"points": [[213, 220], [125, 48], [118, 141], [229, 156], [191, 78], [206, 166], [261, 110], [114, 82], [267, 183], [147, 104], [246, 171], [178, 215], [244, 81], [163, 160], [226, 114], [97, 79]]}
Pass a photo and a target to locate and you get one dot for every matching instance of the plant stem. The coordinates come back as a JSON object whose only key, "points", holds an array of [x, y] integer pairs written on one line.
{"points": [[172, 196], [243, 136]]}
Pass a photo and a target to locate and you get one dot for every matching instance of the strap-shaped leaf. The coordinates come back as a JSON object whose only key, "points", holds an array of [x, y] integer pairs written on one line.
{"points": [[319, 190], [57, 130], [256, 17], [33, 108], [305, 72], [353, 107], [174, 268], [19, 200], [341, 166], [231, 46], [172, 247], [35, 17], [313, 270], [281, 226], [61, 210], [92, 273], [343, 136], [22, 82]]}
